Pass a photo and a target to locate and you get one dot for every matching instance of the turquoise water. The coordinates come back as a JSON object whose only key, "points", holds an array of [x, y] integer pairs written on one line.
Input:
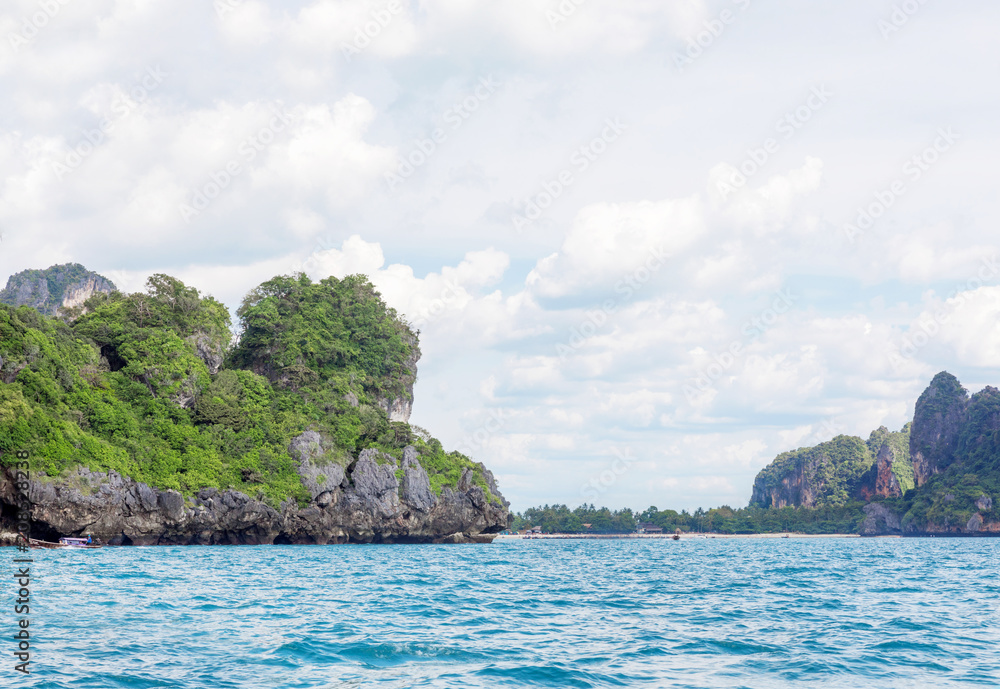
{"points": [[693, 613]]}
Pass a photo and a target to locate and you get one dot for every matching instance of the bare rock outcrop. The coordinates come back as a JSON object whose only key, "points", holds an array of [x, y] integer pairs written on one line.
{"points": [[210, 350], [399, 406], [879, 520], [416, 485], [320, 474], [886, 483]]}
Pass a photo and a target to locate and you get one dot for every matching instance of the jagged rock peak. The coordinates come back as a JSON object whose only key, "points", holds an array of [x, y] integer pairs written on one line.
{"points": [[58, 287], [937, 419]]}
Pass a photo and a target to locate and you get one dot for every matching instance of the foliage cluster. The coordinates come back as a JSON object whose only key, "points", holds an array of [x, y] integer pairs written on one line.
{"points": [[902, 464], [560, 519], [302, 333]]}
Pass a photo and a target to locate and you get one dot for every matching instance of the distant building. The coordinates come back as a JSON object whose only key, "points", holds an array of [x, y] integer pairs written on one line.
{"points": [[646, 527]]}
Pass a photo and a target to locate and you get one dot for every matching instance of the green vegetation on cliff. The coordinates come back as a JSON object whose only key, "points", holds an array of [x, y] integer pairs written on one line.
{"points": [[902, 465], [822, 476], [335, 331], [148, 385]]}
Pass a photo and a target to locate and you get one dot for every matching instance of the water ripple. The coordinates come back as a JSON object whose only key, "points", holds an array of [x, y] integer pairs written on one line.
{"points": [[695, 613]]}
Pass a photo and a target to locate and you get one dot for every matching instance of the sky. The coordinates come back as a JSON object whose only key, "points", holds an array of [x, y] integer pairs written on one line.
{"points": [[648, 245]]}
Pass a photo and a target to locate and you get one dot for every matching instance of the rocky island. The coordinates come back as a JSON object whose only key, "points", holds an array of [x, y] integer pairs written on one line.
{"points": [[146, 422]]}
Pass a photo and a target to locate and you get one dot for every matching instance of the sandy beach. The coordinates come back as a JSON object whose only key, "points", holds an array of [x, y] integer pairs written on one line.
{"points": [[687, 536]]}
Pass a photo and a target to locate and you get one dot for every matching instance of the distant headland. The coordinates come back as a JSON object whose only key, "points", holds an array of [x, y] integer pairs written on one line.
{"points": [[937, 476]]}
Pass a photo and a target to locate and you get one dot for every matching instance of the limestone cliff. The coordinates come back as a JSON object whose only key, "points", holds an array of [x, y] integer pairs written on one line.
{"points": [[958, 440], [54, 289], [838, 471], [399, 406], [828, 474]]}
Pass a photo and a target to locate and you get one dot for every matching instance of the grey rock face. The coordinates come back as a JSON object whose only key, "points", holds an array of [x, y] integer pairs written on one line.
{"points": [[984, 503], [491, 481], [974, 524], [307, 446], [398, 408], [374, 483], [76, 293], [209, 350], [319, 475], [879, 520], [416, 484], [119, 510], [172, 505], [187, 394]]}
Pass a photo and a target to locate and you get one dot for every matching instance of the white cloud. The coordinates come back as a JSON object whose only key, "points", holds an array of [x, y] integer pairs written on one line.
{"points": [[248, 23], [351, 29], [229, 161], [968, 323], [608, 243], [585, 328]]}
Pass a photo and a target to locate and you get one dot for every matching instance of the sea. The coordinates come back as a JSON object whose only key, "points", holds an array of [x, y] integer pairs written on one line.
{"points": [[699, 612]]}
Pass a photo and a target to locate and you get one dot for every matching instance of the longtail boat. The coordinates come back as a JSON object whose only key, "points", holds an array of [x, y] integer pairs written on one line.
{"points": [[73, 543]]}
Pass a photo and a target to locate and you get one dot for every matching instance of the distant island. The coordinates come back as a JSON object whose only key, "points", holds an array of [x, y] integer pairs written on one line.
{"points": [[145, 423], [938, 475]]}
